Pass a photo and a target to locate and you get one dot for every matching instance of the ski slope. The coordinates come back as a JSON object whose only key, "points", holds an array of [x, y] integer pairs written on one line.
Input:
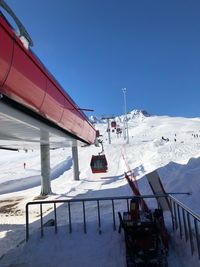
{"points": [[177, 163]]}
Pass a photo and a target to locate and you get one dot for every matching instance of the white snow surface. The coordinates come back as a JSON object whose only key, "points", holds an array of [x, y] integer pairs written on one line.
{"points": [[177, 162]]}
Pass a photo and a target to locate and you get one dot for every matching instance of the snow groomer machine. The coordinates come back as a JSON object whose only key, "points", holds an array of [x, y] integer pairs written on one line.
{"points": [[145, 236]]}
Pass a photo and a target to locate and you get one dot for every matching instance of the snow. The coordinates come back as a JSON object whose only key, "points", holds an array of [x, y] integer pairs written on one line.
{"points": [[177, 162]]}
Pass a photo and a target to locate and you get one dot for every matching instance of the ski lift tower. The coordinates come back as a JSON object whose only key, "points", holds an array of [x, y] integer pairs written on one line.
{"points": [[108, 118], [126, 133]]}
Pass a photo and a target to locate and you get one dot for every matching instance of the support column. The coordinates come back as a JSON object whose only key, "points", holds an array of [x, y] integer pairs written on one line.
{"points": [[45, 169], [108, 128], [75, 160]]}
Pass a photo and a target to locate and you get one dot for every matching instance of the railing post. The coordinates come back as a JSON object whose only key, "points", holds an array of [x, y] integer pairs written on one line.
{"points": [[127, 202], [197, 236], [179, 220], [190, 234], [41, 221], [175, 216], [99, 218], [172, 214], [27, 222], [185, 225], [84, 221], [55, 218], [113, 212], [69, 215]]}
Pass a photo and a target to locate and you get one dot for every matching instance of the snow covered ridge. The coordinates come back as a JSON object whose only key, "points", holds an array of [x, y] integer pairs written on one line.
{"points": [[136, 113], [94, 119], [139, 113]]}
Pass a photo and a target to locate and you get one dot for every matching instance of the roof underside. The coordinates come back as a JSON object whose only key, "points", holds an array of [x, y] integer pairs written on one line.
{"points": [[22, 131]]}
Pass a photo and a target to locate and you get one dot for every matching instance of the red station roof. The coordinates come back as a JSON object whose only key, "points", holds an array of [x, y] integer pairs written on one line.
{"points": [[25, 81]]}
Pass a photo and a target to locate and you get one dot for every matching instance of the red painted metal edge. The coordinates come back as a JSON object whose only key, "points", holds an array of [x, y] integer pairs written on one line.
{"points": [[25, 80]]}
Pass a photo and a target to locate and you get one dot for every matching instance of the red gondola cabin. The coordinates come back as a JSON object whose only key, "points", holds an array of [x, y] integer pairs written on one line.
{"points": [[113, 124], [99, 164]]}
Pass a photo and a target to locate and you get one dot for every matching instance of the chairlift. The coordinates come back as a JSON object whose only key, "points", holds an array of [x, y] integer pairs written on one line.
{"points": [[98, 162], [113, 124]]}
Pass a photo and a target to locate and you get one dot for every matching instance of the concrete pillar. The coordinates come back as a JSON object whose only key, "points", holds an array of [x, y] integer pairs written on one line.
{"points": [[75, 160], [45, 169]]}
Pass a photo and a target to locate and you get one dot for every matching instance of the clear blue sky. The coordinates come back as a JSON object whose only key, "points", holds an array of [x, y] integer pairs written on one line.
{"points": [[94, 48]]}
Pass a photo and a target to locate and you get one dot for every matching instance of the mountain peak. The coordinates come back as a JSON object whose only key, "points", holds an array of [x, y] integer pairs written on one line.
{"points": [[139, 113], [136, 113]]}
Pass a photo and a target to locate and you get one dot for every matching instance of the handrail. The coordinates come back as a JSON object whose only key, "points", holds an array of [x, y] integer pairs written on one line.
{"points": [[83, 200], [93, 199], [197, 217], [182, 221]]}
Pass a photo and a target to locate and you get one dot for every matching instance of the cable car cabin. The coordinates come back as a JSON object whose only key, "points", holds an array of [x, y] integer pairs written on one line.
{"points": [[99, 164], [113, 124], [97, 133]]}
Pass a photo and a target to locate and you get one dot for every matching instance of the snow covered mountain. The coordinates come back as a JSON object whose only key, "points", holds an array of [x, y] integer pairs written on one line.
{"points": [[136, 113]]}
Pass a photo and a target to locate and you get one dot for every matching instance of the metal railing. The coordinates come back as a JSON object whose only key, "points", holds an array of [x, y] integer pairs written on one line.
{"points": [[183, 218], [187, 223], [98, 205]]}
